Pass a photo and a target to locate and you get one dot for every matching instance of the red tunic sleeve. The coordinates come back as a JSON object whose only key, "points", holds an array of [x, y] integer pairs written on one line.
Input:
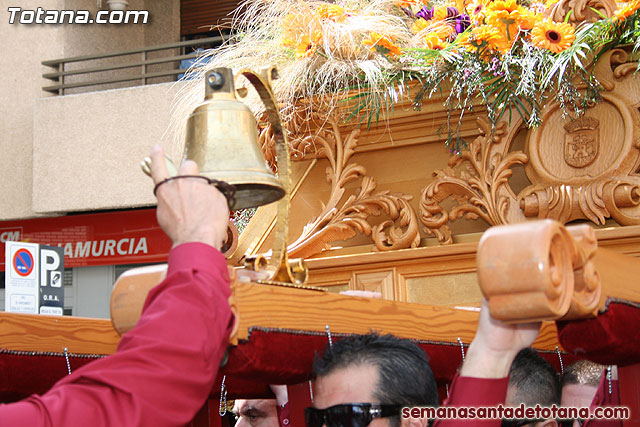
{"points": [[164, 368], [475, 392]]}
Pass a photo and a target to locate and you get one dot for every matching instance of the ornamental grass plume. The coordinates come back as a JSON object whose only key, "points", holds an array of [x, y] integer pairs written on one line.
{"points": [[319, 48]]}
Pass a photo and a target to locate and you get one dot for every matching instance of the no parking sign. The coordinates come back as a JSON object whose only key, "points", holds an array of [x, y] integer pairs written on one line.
{"points": [[33, 281]]}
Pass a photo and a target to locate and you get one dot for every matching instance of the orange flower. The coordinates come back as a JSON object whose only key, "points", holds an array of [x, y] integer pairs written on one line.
{"points": [[506, 5], [528, 18], [506, 22], [332, 12], [407, 4], [432, 41], [512, 22], [554, 36], [382, 44], [628, 10], [442, 29], [307, 45], [486, 39]]}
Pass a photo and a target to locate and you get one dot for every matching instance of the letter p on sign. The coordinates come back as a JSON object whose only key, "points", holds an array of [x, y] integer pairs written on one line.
{"points": [[49, 261]]}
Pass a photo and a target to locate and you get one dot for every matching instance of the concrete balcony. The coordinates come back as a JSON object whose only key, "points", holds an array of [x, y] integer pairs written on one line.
{"points": [[87, 147]]}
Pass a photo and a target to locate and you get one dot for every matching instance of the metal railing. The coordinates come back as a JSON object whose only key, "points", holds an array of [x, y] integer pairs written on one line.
{"points": [[62, 75]]}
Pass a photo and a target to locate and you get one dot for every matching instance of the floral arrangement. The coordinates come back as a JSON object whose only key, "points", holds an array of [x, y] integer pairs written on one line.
{"points": [[507, 55]]}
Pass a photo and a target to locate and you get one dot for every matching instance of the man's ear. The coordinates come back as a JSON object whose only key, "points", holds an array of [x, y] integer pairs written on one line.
{"points": [[414, 422], [547, 423]]}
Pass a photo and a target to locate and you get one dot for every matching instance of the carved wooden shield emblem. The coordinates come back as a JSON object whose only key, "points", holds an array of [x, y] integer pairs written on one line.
{"points": [[581, 142]]}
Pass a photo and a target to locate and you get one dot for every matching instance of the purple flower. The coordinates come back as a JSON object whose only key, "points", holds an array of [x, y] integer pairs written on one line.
{"points": [[452, 12], [425, 13], [462, 23]]}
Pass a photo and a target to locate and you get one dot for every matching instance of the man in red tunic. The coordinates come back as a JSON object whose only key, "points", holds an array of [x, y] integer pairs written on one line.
{"points": [[164, 368]]}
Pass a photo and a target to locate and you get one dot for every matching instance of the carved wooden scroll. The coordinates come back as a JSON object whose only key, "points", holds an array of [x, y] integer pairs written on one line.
{"points": [[481, 189], [342, 219], [551, 277], [583, 169], [581, 10]]}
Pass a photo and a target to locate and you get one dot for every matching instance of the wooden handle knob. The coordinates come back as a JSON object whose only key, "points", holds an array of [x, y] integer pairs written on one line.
{"points": [[526, 271]]}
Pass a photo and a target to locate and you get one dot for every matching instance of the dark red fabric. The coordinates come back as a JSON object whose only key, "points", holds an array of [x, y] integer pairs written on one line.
{"points": [[268, 357], [164, 368], [24, 375], [286, 357], [613, 338]]}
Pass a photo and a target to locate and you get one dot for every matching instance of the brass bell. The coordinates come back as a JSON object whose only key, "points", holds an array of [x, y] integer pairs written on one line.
{"points": [[222, 138]]}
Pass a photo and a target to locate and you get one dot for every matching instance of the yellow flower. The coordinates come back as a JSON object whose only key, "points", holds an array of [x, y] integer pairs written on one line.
{"points": [[432, 41], [506, 22], [486, 39], [419, 25], [507, 5], [512, 22], [332, 12], [528, 18], [626, 11], [307, 45], [461, 5], [439, 13], [288, 42], [381, 43], [476, 11], [554, 36]]}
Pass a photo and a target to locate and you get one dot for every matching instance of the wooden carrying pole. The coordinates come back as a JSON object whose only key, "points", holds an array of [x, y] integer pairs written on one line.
{"points": [[268, 306]]}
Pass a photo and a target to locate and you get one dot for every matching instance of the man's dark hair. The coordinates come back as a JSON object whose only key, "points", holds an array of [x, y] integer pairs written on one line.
{"points": [[534, 380], [405, 377]]}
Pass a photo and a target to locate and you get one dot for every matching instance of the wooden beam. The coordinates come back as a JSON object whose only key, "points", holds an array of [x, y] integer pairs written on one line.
{"points": [[30, 332], [296, 309]]}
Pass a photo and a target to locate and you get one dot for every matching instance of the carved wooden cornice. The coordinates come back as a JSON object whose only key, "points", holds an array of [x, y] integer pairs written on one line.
{"points": [[587, 168]]}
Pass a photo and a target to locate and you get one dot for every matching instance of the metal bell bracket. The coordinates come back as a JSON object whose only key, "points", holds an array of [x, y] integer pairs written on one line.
{"points": [[289, 272]]}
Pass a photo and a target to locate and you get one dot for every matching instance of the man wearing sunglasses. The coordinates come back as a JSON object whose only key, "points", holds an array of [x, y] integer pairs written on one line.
{"points": [[365, 380]]}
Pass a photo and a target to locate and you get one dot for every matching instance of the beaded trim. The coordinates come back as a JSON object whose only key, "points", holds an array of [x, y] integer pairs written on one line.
{"points": [[50, 354]]}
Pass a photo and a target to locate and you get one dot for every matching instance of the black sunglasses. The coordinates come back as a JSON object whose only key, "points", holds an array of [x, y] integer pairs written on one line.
{"points": [[349, 415]]}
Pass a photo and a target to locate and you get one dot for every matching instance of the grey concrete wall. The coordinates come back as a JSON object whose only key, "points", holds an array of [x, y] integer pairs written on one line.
{"points": [[87, 148]]}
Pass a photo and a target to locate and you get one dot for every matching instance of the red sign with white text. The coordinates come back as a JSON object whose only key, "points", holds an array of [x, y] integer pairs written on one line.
{"points": [[122, 237]]}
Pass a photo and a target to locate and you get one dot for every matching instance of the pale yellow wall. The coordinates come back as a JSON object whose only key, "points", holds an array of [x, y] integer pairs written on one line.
{"points": [[24, 47], [88, 147]]}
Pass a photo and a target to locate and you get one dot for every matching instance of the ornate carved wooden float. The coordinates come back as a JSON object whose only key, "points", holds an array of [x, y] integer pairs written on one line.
{"points": [[387, 208]]}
